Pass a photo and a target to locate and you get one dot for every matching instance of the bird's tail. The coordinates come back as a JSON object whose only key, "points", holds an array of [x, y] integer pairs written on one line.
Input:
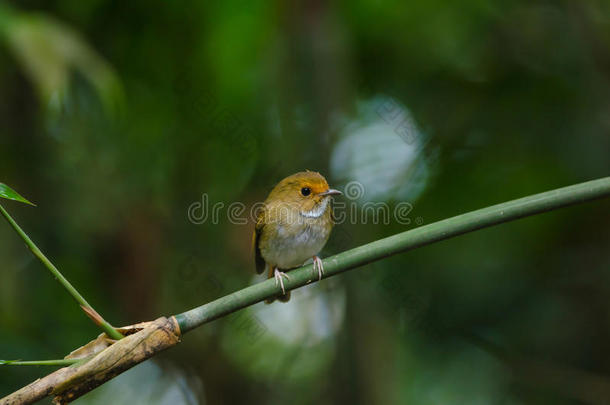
{"points": [[281, 298]]}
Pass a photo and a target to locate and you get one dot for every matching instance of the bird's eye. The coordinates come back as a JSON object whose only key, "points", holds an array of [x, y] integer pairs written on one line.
{"points": [[305, 191]]}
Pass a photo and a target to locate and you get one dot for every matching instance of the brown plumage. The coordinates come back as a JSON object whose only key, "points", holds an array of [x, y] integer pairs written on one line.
{"points": [[293, 226]]}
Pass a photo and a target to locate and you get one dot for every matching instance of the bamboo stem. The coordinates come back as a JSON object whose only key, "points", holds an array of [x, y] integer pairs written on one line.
{"points": [[87, 308], [402, 242], [334, 265]]}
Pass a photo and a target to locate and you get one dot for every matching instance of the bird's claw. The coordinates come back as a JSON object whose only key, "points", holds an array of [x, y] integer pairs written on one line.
{"points": [[278, 279], [317, 265]]}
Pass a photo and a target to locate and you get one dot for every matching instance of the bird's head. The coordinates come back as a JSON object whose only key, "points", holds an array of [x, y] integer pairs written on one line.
{"points": [[307, 191]]}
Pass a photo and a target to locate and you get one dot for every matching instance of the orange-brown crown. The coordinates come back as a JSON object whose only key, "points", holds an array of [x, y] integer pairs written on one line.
{"points": [[314, 180], [291, 188]]}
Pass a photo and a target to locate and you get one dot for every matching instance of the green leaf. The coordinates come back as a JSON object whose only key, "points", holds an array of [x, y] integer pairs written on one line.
{"points": [[50, 51], [10, 194]]}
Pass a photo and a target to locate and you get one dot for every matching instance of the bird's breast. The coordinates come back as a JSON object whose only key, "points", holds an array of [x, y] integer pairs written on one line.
{"points": [[289, 245]]}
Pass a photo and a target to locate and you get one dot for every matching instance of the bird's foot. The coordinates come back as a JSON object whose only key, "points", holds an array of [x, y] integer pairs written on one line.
{"points": [[317, 265], [278, 279]]}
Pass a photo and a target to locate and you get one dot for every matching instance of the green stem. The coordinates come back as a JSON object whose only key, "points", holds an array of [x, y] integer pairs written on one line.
{"points": [[401, 242], [60, 362], [110, 331]]}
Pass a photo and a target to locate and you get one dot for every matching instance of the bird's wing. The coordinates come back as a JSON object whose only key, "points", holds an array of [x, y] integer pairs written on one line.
{"points": [[258, 230]]}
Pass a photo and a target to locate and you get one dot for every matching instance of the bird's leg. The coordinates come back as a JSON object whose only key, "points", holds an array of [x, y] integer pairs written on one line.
{"points": [[317, 265], [278, 279]]}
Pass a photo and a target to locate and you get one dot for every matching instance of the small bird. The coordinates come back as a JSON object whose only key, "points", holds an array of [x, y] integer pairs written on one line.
{"points": [[293, 225]]}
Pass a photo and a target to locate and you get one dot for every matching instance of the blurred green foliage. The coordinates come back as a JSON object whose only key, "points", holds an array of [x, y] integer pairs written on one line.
{"points": [[118, 116]]}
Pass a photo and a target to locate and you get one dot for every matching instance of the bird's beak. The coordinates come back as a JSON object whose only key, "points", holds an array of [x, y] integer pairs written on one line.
{"points": [[330, 191]]}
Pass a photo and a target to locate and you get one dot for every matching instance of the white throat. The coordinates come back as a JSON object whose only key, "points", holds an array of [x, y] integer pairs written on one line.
{"points": [[318, 210]]}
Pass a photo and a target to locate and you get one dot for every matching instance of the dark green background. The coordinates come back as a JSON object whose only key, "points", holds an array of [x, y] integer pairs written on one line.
{"points": [[116, 116]]}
